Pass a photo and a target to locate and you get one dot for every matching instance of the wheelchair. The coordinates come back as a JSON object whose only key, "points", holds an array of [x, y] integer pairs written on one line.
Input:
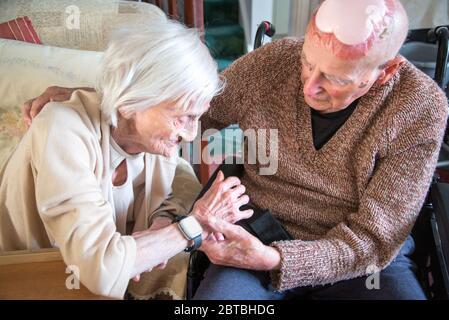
{"points": [[431, 230]]}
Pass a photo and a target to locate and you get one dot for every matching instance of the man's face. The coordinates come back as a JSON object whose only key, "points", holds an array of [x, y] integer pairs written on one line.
{"points": [[330, 83]]}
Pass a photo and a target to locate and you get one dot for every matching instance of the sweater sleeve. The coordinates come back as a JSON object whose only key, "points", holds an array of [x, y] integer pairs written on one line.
{"points": [[372, 236], [72, 206]]}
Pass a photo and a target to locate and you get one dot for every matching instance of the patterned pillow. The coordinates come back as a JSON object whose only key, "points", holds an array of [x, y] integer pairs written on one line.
{"points": [[79, 24], [27, 70], [11, 126]]}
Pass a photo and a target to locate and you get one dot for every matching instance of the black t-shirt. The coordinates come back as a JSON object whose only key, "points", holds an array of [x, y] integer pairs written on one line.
{"points": [[325, 125]]}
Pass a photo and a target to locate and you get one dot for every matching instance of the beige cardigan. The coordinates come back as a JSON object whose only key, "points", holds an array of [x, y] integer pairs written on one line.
{"points": [[55, 191]]}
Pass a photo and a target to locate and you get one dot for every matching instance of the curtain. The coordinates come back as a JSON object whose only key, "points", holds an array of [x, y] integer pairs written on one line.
{"points": [[301, 11]]}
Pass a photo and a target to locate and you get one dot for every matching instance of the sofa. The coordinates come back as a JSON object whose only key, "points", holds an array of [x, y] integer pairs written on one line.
{"points": [[68, 56]]}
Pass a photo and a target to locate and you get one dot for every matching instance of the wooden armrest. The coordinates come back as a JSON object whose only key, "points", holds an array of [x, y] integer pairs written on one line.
{"points": [[39, 274]]}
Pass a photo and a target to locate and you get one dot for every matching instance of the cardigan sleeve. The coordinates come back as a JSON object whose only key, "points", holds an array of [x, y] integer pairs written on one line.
{"points": [[370, 238], [184, 191], [64, 159]]}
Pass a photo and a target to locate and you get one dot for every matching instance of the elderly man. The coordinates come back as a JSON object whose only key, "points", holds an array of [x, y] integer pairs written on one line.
{"points": [[360, 130]]}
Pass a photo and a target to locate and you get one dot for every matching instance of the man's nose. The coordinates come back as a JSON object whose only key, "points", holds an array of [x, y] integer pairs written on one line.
{"points": [[312, 85]]}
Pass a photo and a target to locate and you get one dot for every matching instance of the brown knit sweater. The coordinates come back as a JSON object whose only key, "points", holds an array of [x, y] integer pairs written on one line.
{"points": [[351, 204]]}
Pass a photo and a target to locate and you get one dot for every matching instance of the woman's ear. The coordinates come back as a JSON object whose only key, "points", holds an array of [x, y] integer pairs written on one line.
{"points": [[389, 70], [125, 112]]}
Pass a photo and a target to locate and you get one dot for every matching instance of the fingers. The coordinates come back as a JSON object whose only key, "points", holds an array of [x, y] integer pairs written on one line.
{"points": [[235, 193], [26, 107], [32, 107], [219, 178], [241, 201], [227, 229], [211, 237], [59, 98], [209, 246], [215, 237], [38, 104], [230, 183], [162, 265], [241, 215], [136, 278], [219, 236]]}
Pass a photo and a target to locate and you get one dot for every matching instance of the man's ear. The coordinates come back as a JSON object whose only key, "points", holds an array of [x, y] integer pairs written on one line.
{"points": [[389, 70]]}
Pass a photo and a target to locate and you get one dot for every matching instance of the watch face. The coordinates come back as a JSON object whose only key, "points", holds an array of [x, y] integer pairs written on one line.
{"points": [[191, 227]]}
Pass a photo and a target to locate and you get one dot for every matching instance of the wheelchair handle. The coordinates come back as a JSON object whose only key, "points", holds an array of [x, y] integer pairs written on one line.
{"points": [[265, 28], [441, 36]]}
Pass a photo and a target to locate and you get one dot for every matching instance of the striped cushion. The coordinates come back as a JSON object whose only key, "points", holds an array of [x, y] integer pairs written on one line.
{"points": [[19, 29]]}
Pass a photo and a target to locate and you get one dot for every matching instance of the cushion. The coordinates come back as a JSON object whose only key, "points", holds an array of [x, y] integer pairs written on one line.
{"points": [[79, 24], [19, 29], [27, 70]]}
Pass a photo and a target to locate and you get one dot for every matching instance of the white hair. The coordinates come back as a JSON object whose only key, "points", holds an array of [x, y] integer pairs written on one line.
{"points": [[154, 63]]}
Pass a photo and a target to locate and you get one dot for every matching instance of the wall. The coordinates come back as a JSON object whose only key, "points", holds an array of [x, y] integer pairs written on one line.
{"points": [[427, 13]]}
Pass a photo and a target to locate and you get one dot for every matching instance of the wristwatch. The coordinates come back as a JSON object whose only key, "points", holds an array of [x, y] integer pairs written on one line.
{"points": [[191, 230]]}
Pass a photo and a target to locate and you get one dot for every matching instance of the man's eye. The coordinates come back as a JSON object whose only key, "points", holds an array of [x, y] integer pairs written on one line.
{"points": [[336, 81], [307, 65]]}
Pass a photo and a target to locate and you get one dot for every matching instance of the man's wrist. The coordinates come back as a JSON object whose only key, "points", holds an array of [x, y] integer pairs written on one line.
{"points": [[272, 258]]}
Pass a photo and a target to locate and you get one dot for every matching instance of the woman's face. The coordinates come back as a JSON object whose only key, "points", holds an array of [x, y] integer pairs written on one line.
{"points": [[160, 129]]}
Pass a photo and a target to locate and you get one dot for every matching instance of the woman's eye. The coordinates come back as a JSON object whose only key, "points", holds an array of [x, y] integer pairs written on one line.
{"points": [[179, 121], [185, 120]]}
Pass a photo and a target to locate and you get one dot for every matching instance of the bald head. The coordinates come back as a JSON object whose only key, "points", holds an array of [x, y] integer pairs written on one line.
{"points": [[372, 30]]}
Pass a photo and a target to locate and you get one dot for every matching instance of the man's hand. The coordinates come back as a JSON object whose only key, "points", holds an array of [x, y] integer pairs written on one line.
{"points": [[240, 249], [158, 223], [32, 107]]}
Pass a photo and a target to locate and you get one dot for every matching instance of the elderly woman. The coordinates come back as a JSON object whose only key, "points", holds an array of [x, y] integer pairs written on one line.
{"points": [[93, 173]]}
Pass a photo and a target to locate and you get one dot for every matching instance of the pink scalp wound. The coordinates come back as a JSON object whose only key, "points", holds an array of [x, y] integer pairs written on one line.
{"points": [[349, 28]]}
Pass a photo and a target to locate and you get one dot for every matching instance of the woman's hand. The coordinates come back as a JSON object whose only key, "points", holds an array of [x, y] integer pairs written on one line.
{"points": [[158, 223], [32, 107], [240, 249], [223, 201]]}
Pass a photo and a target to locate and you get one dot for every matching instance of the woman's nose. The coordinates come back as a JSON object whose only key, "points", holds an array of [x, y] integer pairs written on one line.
{"points": [[190, 132]]}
